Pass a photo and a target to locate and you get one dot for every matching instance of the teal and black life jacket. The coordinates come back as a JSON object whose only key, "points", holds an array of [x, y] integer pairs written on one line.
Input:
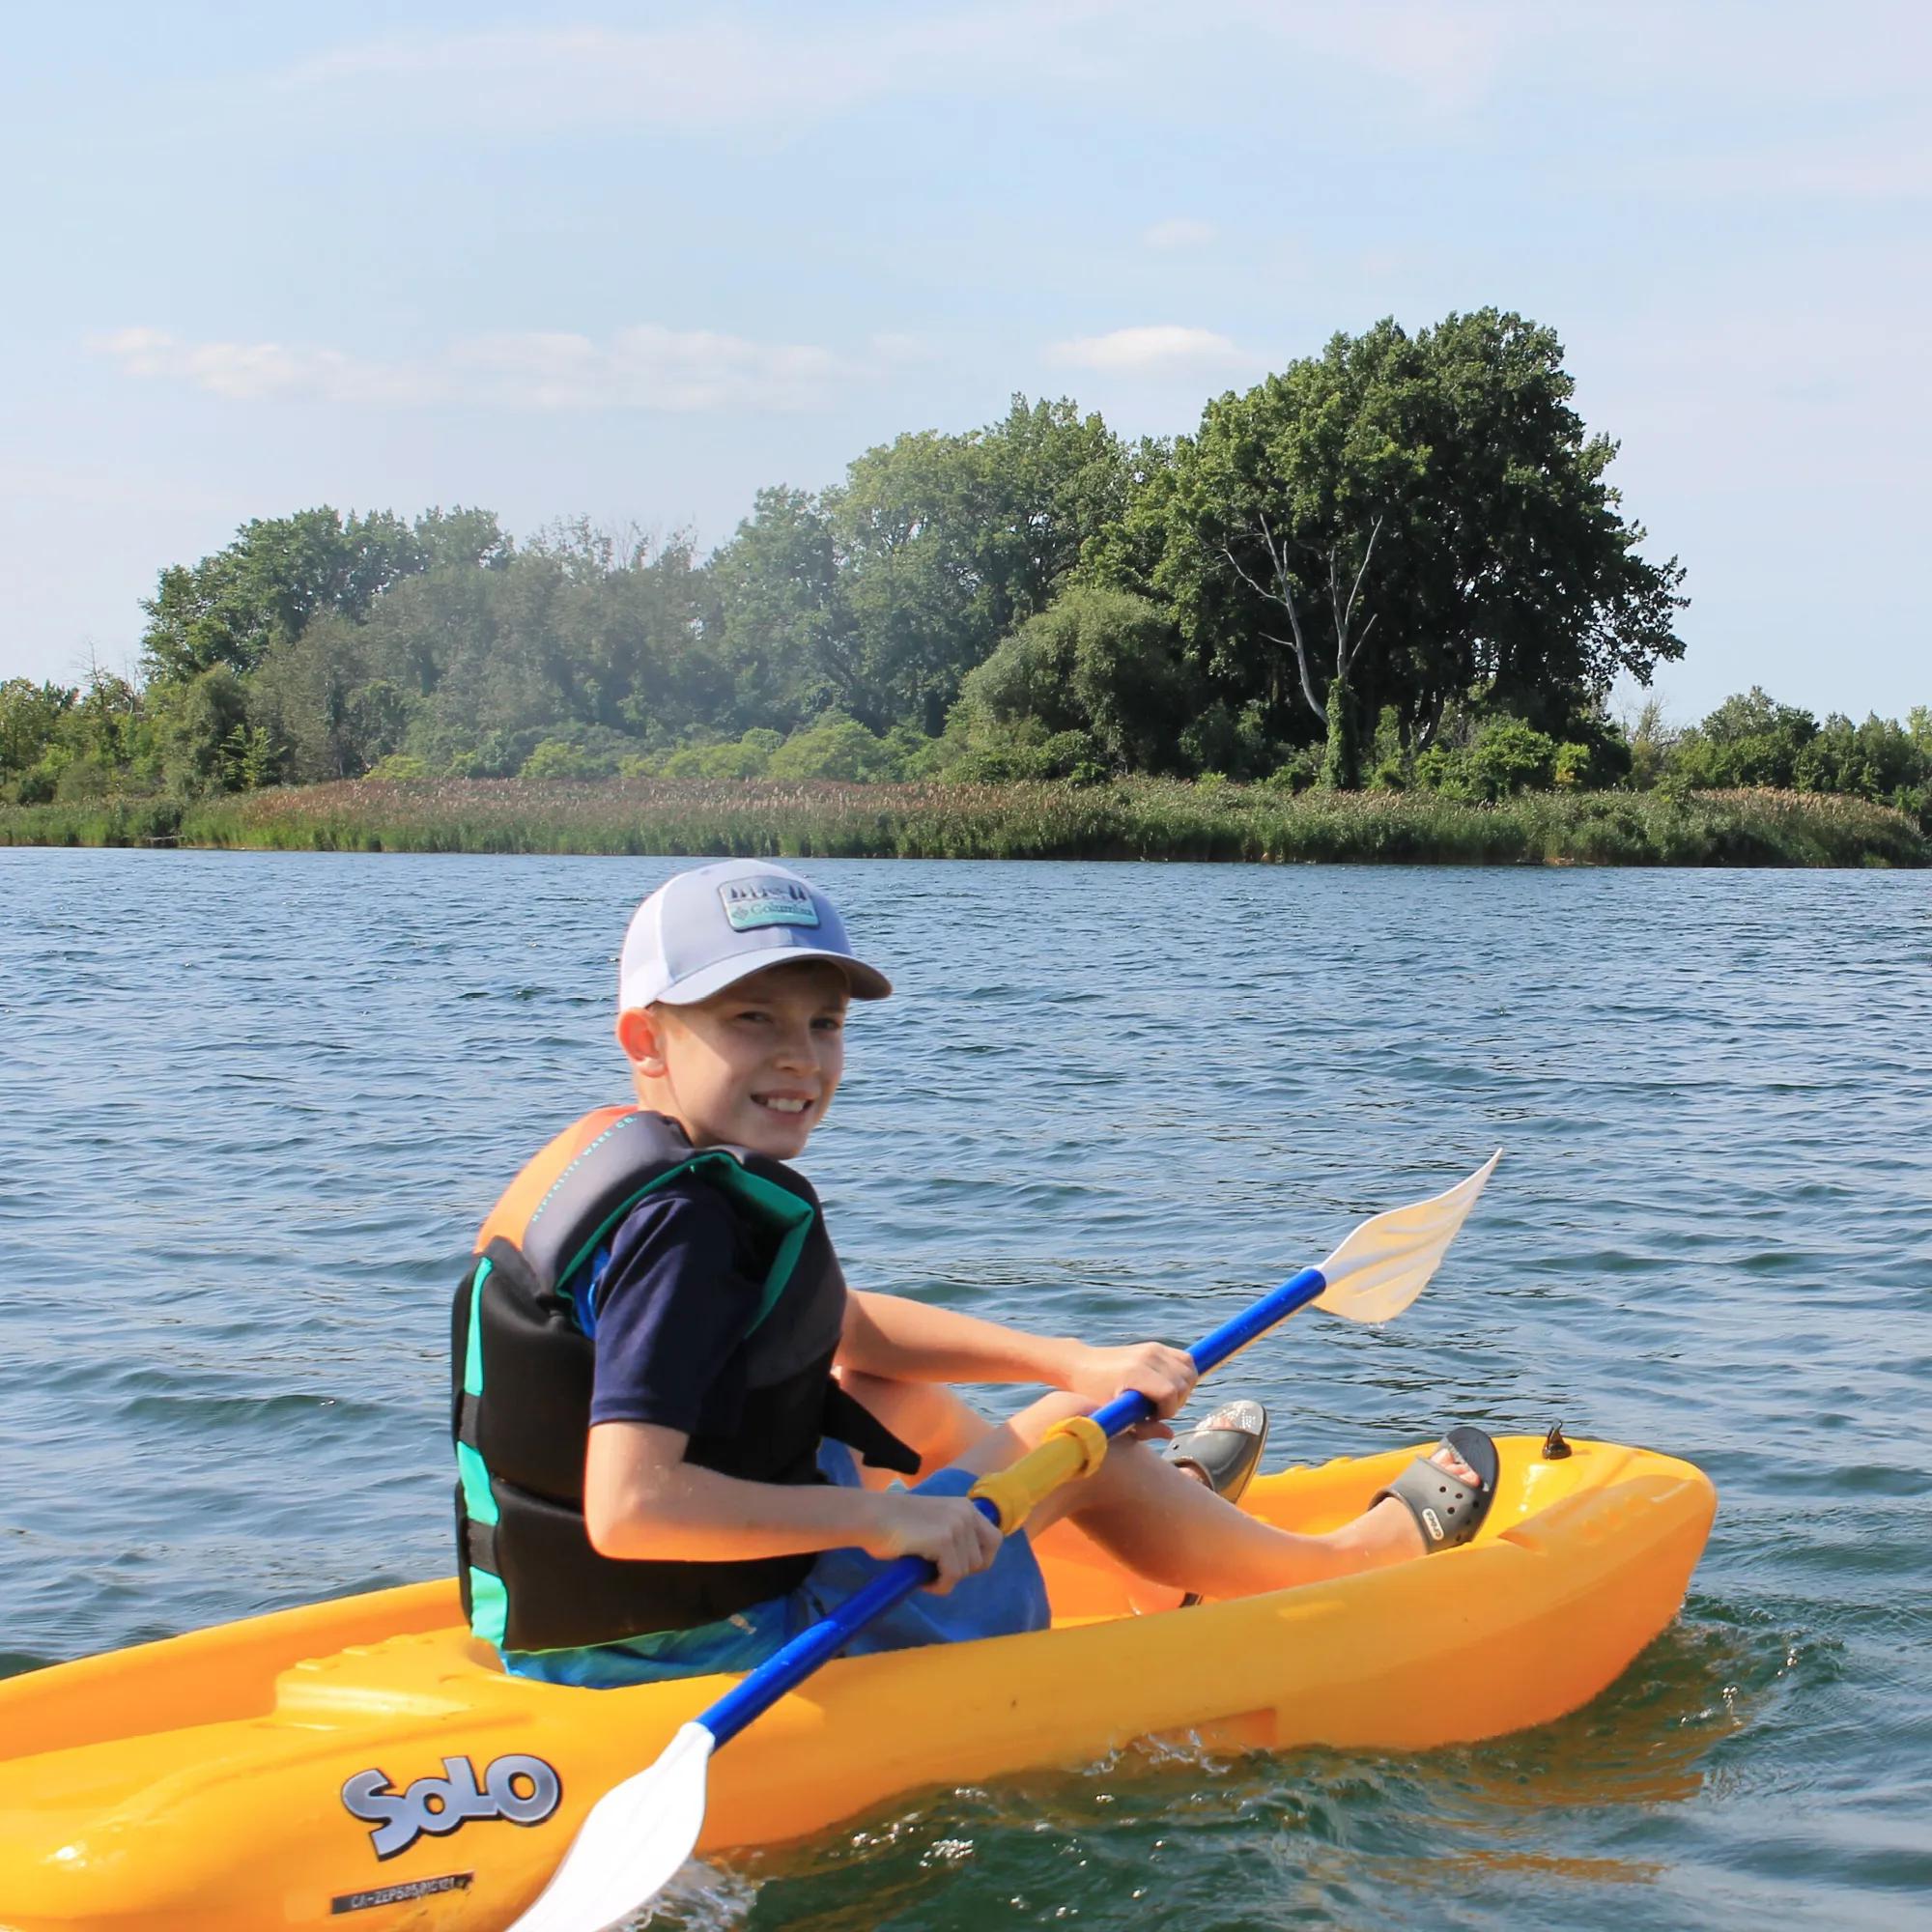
{"points": [[521, 1369]]}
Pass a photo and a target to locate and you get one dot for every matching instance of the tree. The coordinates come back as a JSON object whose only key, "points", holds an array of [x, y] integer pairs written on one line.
{"points": [[232, 608], [559, 759], [305, 697], [280, 573], [459, 539], [29, 715], [1747, 740], [906, 521], [73, 742], [199, 720], [1511, 757], [946, 542], [1055, 481], [635, 648], [581, 631], [1750, 740], [1124, 553], [1404, 521], [746, 758], [835, 748], [788, 634], [107, 733], [1098, 662], [1877, 759]]}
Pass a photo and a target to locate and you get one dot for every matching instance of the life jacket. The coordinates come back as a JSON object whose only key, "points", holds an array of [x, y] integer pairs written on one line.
{"points": [[522, 1365]]}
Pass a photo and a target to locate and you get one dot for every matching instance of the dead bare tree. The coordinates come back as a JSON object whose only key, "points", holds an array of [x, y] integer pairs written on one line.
{"points": [[1349, 641]]}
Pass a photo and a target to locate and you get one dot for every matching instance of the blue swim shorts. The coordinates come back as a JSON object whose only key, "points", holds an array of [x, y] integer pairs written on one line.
{"points": [[1005, 1599]]}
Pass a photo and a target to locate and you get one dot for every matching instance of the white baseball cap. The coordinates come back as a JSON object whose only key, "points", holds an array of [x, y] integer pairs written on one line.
{"points": [[702, 930]]}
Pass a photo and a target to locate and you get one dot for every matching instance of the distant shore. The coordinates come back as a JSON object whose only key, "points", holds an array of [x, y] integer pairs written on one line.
{"points": [[1127, 819]]}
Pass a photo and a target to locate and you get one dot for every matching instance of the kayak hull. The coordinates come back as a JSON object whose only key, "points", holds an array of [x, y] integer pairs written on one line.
{"points": [[365, 1764]]}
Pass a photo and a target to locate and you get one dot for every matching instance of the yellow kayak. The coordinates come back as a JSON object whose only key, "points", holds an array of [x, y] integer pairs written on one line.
{"points": [[365, 1764]]}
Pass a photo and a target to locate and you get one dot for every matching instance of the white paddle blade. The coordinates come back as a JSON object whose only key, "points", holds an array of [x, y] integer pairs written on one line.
{"points": [[1386, 1262], [631, 1845]]}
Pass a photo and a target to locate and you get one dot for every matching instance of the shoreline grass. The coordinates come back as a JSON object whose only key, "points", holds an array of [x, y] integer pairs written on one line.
{"points": [[1139, 818]]}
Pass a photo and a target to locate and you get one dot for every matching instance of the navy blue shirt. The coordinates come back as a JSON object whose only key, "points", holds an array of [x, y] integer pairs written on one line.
{"points": [[669, 1310]]}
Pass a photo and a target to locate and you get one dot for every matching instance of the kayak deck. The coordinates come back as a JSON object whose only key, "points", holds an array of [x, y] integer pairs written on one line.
{"points": [[355, 1759]]}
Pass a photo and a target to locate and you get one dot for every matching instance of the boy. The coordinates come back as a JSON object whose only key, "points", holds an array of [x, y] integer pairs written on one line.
{"points": [[666, 1386]]}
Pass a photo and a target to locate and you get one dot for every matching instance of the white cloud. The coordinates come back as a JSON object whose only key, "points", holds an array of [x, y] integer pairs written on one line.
{"points": [[1179, 233], [1164, 348], [254, 371], [643, 367]]}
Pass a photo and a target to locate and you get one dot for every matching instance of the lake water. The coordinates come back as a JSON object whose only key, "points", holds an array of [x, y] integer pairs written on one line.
{"points": [[252, 1108]]}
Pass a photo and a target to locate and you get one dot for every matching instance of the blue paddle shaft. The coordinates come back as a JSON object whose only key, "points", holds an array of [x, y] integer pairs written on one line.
{"points": [[825, 1639], [1230, 1339]]}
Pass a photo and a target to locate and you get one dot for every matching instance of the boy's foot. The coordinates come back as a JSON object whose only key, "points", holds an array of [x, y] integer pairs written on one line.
{"points": [[1223, 1451], [1222, 1454], [1438, 1502]]}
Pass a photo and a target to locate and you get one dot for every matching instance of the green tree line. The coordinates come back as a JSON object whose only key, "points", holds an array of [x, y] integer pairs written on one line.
{"points": [[1397, 563]]}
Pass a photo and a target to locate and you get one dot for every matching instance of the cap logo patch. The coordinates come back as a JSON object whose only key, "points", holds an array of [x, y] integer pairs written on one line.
{"points": [[752, 903]]}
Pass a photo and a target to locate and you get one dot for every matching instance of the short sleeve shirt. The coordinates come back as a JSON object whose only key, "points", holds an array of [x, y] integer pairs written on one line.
{"points": [[673, 1305]]}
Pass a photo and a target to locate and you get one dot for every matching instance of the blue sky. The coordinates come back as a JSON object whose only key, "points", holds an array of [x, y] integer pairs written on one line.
{"points": [[635, 262]]}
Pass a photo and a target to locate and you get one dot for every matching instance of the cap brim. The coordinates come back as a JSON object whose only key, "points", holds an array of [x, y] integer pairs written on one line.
{"points": [[866, 981]]}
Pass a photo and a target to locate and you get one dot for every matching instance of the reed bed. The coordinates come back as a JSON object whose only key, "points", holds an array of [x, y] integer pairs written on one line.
{"points": [[1140, 819]]}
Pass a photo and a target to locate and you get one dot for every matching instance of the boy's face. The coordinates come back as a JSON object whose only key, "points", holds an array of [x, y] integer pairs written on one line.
{"points": [[754, 1066]]}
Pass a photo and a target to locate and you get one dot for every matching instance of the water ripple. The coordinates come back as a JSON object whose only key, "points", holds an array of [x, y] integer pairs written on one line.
{"points": [[253, 1108]]}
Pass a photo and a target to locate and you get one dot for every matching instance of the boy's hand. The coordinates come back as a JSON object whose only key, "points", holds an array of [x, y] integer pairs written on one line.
{"points": [[1165, 1375], [948, 1532]]}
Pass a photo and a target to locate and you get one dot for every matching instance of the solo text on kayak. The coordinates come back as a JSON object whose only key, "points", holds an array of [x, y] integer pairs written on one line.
{"points": [[523, 1790]]}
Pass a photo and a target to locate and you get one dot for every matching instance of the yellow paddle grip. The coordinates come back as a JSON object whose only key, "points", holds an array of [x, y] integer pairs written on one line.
{"points": [[1074, 1447]]}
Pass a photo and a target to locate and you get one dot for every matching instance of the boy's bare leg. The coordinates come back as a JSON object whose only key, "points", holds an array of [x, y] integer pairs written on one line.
{"points": [[1146, 1514], [1154, 1519], [1065, 1541]]}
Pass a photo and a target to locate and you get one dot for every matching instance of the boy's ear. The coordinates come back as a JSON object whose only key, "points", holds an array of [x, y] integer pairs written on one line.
{"points": [[641, 1037]]}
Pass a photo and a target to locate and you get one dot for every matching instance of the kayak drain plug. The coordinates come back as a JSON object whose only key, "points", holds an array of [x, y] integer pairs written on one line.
{"points": [[1554, 1448]]}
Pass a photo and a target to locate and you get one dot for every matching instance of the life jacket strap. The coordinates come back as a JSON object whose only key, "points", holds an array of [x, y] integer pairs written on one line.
{"points": [[847, 1420]]}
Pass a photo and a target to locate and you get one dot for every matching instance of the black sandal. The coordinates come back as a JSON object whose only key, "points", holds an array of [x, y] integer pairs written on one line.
{"points": [[1447, 1511], [1226, 1449]]}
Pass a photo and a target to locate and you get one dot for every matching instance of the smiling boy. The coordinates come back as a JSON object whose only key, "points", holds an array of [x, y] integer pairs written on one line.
{"points": [[665, 1390]]}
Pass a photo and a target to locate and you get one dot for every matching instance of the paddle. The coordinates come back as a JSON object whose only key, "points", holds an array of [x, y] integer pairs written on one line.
{"points": [[641, 1830]]}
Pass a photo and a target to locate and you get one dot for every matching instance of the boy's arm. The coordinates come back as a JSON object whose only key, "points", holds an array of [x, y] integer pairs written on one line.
{"points": [[910, 1341], [642, 1499]]}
